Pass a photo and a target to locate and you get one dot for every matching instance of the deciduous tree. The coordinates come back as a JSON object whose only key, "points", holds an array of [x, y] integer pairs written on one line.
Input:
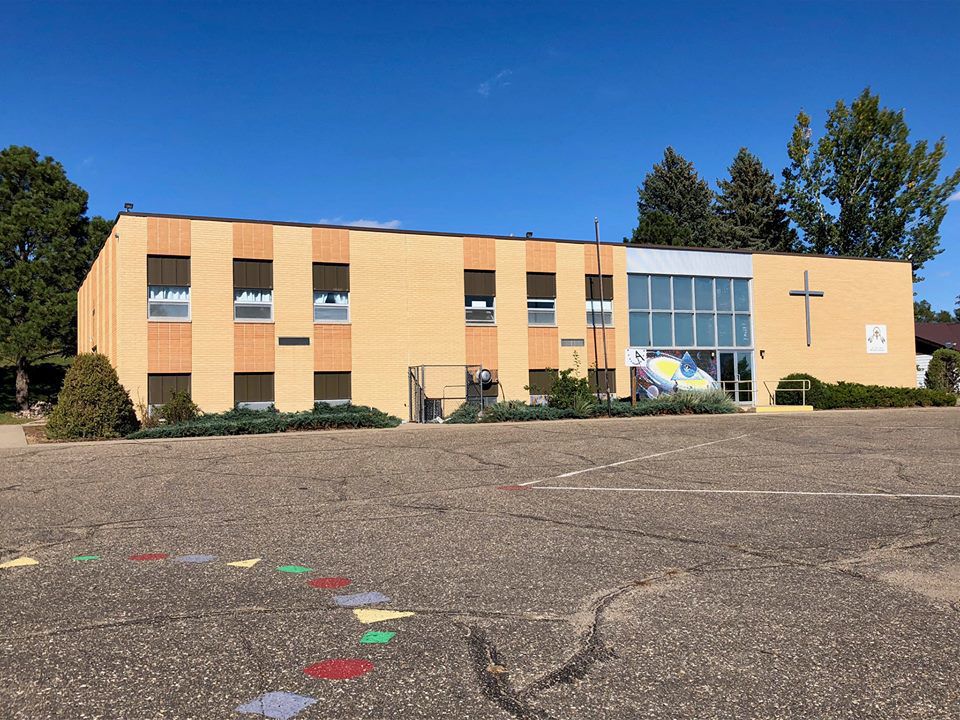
{"points": [[864, 189]]}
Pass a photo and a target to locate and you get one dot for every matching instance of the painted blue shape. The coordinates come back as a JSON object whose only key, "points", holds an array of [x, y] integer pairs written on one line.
{"points": [[276, 705], [195, 558], [357, 599], [687, 368]]}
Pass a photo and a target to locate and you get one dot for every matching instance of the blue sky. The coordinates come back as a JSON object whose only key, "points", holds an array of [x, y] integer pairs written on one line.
{"points": [[473, 117]]}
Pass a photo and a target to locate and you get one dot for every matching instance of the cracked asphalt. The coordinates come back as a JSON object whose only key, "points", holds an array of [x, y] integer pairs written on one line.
{"points": [[535, 603]]}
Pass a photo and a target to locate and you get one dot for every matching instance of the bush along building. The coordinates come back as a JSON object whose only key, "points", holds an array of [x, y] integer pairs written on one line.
{"points": [[259, 314]]}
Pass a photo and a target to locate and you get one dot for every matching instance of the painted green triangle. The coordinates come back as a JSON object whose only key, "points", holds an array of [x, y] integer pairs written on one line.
{"points": [[294, 569], [376, 637], [85, 558]]}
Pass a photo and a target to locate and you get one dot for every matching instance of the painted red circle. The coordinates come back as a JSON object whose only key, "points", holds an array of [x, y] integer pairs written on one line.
{"points": [[329, 582], [338, 669], [149, 556]]}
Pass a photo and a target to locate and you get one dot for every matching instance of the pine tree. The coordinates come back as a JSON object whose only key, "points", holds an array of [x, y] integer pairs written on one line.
{"points": [[45, 250], [749, 208], [673, 205]]}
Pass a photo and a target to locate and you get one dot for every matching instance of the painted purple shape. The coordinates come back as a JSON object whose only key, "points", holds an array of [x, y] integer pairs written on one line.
{"points": [[195, 558], [277, 705], [357, 599]]}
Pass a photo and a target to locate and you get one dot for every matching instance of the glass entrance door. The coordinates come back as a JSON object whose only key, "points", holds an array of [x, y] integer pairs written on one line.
{"points": [[736, 375]]}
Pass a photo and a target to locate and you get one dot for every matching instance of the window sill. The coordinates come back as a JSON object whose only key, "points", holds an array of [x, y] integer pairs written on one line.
{"points": [[332, 322], [542, 325], [182, 321], [253, 322], [482, 325]]}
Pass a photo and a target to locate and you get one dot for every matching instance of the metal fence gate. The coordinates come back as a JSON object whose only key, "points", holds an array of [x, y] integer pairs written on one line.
{"points": [[435, 391]]}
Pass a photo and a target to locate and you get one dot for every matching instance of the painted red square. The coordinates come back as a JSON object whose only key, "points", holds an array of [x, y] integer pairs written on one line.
{"points": [[339, 669], [329, 583]]}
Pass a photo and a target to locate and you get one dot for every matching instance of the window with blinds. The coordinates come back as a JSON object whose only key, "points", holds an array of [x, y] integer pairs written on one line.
{"points": [[480, 294], [597, 287], [161, 387], [253, 290], [331, 293], [541, 299], [331, 387], [168, 288]]}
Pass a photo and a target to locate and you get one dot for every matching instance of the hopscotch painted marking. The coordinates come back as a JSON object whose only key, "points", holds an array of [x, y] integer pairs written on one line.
{"points": [[572, 473], [752, 492]]}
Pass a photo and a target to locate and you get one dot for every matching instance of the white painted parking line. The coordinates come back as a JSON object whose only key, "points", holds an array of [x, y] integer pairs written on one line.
{"points": [[645, 457], [750, 492]]}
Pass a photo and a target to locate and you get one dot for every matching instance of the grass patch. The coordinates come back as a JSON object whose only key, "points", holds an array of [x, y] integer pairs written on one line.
{"points": [[8, 418], [256, 422]]}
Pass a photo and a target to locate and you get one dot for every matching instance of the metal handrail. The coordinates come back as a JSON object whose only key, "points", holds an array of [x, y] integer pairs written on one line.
{"points": [[802, 389]]}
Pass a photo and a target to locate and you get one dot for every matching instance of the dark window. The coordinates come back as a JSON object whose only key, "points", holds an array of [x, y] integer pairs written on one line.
{"points": [[593, 287], [592, 376], [256, 274], [541, 381], [328, 277], [160, 388], [480, 282], [168, 270], [541, 285], [331, 386], [253, 387]]}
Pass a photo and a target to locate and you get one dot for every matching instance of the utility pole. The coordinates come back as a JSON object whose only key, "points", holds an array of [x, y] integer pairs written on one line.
{"points": [[603, 322]]}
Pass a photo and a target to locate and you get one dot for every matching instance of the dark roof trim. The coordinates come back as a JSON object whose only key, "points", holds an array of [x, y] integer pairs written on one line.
{"points": [[401, 231]]}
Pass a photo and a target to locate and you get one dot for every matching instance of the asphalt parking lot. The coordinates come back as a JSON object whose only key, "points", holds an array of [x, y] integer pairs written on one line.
{"points": [[695, 567]]}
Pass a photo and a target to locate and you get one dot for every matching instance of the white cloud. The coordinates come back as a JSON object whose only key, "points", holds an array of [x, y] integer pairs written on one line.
{"points": [[955, 197], [497, 81], [362, 222]]}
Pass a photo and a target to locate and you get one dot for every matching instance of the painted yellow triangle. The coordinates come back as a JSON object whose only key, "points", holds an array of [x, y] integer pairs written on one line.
{"points": [[19, 562], [245, 563], [372, 616]]}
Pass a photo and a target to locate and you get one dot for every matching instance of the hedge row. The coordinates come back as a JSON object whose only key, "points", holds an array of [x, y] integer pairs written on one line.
{"points": [[680, 403], [255, 422], [831, 396]]}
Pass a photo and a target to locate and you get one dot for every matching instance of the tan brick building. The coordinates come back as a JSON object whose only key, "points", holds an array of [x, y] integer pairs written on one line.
{"points": [[241, 311]]}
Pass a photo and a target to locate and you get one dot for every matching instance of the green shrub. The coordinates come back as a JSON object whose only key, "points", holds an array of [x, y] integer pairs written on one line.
{"points": [[518, 411], [789, 394], [569, 390], [92, 403], [943, 373], [829, 396], [684, 402], [180, 408], [240, 421], [680, 403], [465, 414]]}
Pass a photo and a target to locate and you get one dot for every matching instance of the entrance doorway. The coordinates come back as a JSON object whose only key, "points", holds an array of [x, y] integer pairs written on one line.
{"points": [[736, 375]]}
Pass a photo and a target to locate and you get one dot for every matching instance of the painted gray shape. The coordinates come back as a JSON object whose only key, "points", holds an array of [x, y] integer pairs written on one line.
{"points": [[276, 705], [807, 293], [358, 599]]}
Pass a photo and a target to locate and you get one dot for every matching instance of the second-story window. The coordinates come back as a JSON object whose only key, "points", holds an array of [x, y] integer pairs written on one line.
{"points": [[331, 293], [541, 299], [480, 296], [253, 290], [168, 288], [597, 286]]}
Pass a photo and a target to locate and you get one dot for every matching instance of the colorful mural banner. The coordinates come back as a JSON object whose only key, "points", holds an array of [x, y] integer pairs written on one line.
{"points": [[667, 371]]}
